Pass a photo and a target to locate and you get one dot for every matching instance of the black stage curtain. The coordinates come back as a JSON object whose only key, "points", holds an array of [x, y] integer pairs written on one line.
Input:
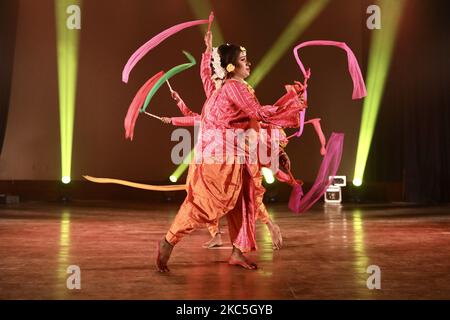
{"points": [[8, 24], [411, 144]]}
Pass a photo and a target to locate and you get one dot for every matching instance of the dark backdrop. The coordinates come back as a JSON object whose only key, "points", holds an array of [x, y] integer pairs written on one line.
{"points": [[411, 143], [8, 24], [412, 138]]}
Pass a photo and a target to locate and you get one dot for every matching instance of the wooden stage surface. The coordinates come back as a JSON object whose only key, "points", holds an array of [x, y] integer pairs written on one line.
{"points": [[325, 255]]}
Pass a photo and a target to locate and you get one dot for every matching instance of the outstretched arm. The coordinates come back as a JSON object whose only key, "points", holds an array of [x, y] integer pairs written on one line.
{"points": [[286, 116], [182, 105], [188, 121], [189, 118], [286, 99]]}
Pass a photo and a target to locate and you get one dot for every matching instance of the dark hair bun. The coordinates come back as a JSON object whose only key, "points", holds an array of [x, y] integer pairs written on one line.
{"points": [[229, 53]]}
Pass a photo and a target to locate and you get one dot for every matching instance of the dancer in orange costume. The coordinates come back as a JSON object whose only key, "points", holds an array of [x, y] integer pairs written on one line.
{"points": [[262, 214], [217, 189]]}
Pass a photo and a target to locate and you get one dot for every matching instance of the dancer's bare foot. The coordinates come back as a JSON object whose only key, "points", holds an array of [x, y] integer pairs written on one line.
{"points": [[214, 242], [275, 234], [164, 251], [238, 259]]}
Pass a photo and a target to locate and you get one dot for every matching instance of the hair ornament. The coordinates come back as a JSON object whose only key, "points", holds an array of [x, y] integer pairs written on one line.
{"points": [[230, 67], [218, 71]]}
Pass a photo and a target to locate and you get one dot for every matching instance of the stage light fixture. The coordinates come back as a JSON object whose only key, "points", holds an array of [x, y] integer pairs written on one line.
{"points": [[333, 194]]}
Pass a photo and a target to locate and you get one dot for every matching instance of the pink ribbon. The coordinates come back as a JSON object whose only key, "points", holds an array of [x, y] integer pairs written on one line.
{"points": [[156, 40], [359, 87]]}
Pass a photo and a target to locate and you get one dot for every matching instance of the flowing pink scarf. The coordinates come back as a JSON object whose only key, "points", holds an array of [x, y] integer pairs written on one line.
{"points": [[333, 151], [359, 88], [330, 164], [135, 106], [156, 40], [153, 83]]}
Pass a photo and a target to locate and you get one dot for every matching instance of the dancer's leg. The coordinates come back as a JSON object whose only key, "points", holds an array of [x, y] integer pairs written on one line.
{"points": [[241, 225], [261, 210], [210, 195], [275, 234], [237, 257], [183, 224], [274, 229], [216, 240]]}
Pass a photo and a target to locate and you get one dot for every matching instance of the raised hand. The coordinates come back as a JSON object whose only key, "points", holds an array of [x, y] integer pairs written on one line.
{"points": [[176, 96], [300, 90], [166, 120]]}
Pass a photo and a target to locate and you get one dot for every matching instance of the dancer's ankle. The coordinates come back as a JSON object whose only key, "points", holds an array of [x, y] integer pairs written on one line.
{"points": [[269, 223], [236, 251], [165, 242]]}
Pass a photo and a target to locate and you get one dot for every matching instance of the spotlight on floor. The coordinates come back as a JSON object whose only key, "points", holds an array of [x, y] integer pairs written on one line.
{"points": [[65, 179], [357, 182], [268, 175]]}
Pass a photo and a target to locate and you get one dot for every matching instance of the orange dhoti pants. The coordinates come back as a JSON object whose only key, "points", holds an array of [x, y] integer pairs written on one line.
{"points": [[261, 210], [214, 191]]}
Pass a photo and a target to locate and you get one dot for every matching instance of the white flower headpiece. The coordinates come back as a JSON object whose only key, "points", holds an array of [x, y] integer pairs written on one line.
{"points": [[219, 72]]}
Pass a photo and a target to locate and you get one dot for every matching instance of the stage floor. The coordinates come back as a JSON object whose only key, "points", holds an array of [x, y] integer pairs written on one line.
{"points": [[325, 255]]}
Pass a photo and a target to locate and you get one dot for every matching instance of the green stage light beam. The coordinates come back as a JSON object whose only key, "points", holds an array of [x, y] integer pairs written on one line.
{"points": [[380, 54], [67, 53], [301, 21], [182, 167]]}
